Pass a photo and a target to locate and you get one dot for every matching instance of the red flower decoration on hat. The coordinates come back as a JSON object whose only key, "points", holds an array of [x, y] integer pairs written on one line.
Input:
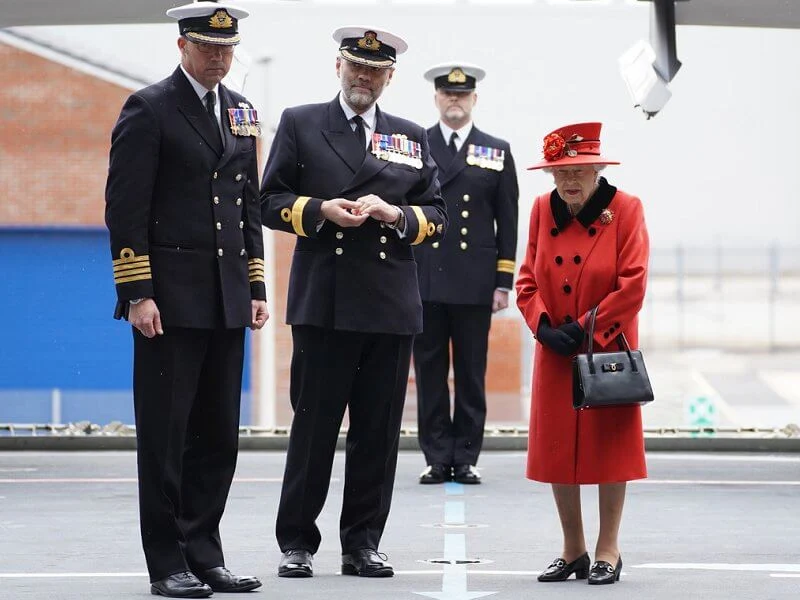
{"points": [[554, 146]]}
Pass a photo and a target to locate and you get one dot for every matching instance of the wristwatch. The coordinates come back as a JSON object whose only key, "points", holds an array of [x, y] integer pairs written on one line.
{"points": [[136, 301], [398, 221]]}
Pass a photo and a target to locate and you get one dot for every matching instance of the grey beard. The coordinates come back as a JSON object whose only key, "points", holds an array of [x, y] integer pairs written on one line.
{"points": [[359, 100]]}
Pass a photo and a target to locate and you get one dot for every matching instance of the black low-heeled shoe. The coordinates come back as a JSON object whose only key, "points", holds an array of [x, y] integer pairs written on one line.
{"points": [[560, 570], [603, 573]]}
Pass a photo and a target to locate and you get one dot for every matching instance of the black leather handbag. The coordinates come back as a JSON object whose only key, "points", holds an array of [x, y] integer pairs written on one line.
{"points": [[601, 379]]}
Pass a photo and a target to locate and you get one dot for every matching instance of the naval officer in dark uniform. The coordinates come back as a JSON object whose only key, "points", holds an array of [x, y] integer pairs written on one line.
{"points": [[464, 278], [183, 211], [358, 188]]}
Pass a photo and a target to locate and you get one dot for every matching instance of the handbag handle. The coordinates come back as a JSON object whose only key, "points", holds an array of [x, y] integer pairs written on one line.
{"points": [[622, 341]]}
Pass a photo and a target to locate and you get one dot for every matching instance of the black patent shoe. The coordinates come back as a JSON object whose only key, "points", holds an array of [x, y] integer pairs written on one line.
{"points": [[366, 563], [466, 474], [603, 573], [220, 579], [296, 563], [435, 474], [181, 585], [560, 570]]}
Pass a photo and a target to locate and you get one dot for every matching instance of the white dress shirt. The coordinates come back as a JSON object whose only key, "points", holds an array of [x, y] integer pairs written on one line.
{"points": [[201, 92], [368, 116], [462, 134]]}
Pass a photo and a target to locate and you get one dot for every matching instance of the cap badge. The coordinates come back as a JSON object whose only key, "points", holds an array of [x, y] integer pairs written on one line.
{"points": [[220, 20], [456, 76], [369, 42]]}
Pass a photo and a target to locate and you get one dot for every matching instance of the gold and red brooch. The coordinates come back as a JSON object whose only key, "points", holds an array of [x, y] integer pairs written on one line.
{"points": [[606, 217]]}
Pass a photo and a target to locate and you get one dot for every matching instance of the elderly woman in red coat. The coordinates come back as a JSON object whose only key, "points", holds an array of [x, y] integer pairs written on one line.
{"points": [[587, 247]]}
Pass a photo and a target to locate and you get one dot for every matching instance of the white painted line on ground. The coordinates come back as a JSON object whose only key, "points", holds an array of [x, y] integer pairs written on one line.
{"points": [[450, 515], [454, 513], [454, 575], [716, 457], [788, 568], [129, 480], [473, 570], [66, 575], [711, 482], [451, 488], [454, 580]]}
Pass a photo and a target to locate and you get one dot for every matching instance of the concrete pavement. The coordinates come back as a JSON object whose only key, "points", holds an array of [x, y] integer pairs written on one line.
{"points": [[703, 525]]}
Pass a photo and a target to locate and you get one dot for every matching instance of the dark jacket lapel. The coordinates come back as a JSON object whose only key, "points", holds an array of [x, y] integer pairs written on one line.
{"points": [[371, 165], [231, 141], [192, 108], [341, 138], [439, 151], [459, 163]]}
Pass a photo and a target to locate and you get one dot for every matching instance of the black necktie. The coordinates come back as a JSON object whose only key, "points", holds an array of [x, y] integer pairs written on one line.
{"points": [[210, 100], [361, 135], [452, 145]]}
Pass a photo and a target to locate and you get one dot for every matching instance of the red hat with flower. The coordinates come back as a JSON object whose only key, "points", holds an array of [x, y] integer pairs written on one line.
{"points": [[577, 144]]}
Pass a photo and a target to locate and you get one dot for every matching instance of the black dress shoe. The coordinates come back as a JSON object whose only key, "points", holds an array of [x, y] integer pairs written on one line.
{"points": [[435, 474], [366, 563], [466, 474], [560, 570], [220, 579], [296, 563], [603, 573], [181, 585]]}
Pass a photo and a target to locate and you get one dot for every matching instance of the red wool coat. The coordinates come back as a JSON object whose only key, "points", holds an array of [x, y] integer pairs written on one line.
{"points": [[570, 266]]}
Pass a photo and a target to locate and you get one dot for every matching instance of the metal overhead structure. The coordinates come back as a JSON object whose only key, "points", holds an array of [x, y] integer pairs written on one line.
{"points": [[20, 13], [737, 13], [780, 14]]}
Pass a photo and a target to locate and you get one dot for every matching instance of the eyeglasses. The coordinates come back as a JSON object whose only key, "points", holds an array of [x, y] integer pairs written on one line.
{"points": [[572, 173], [214, 48]]}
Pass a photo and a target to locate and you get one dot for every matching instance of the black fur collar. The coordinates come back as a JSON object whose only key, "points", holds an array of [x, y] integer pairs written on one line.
{"points": [[591, 210]]}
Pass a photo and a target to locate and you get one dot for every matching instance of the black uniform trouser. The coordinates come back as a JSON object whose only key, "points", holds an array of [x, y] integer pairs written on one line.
{"points": [[187, 389], [457, 440], [367, 373]]}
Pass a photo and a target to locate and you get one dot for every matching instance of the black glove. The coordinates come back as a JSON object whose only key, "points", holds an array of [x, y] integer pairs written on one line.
{"points": [[556, 340], [573, 330]]}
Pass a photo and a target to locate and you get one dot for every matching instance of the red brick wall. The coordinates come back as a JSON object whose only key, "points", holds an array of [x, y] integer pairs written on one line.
{"points": [[55, 129]]}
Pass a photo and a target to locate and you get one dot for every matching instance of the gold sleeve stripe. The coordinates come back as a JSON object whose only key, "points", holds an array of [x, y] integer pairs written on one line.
{"points": [[131, 267], [257, 272], [423, 225], [256, 261], [297, 214], [128, 261], [135, 278], [131, 272], [256, 279], [506, 266]]}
